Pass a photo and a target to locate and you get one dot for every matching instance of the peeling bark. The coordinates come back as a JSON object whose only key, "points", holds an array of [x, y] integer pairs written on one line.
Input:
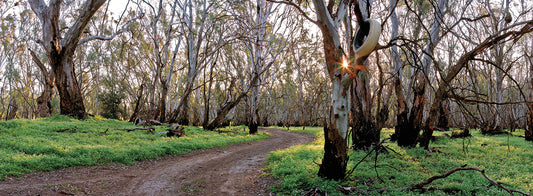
{"points": [[335, 157], [61, 49]]}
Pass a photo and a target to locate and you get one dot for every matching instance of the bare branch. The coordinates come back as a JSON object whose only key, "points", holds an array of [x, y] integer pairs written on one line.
{"points": [[433, 178], [38, 62], [73, 35], [297, 8], [101, 37]]}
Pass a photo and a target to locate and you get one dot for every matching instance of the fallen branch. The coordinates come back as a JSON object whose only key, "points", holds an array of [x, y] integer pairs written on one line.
{"points": [[429, 180], [149, 129]]}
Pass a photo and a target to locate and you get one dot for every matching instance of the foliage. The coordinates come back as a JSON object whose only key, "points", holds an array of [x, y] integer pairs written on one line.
{"points": [[59, 142], [111, 100], [507, 162]]}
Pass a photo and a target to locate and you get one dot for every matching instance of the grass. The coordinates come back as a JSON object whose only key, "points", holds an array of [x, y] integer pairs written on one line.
{"points": [[58, 142], [508, 162]]}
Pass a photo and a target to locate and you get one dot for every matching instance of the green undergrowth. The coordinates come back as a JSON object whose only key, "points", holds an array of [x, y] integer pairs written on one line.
{"points": [[508, 160], [58, 142]]}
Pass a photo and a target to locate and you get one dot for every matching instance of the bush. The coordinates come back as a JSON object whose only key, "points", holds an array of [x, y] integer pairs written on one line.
{"points": [[110, 100]]}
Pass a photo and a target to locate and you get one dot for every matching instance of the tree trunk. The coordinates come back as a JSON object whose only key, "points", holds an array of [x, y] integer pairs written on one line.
{"points": [[364, 129], [443, 122], [207, 95], [529, 126], [403, 127], [12, 109], [183, 117], [44, 105], [223, 111], [417, 111], [163, 102], [71, 101], [137, 104], [335, 146], [365, 133], [61, 49], [335, 156], [253, 122]]}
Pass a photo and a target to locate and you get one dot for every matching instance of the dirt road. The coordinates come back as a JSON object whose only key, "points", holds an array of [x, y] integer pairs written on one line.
{"points": [[231, 170]]}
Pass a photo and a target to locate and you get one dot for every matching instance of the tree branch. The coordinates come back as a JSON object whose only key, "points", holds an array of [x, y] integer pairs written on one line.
{"points": [[297, 8], [73, 35], [101, 37], [433, 178], [38, 62], [465, 58]]}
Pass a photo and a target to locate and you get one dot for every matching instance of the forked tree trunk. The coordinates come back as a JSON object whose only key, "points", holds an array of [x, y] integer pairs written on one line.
{"points": [[61, 49], [407, 134]]}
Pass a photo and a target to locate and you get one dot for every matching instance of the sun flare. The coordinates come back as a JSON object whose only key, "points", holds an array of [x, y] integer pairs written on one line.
{"points": [[344, 63]]}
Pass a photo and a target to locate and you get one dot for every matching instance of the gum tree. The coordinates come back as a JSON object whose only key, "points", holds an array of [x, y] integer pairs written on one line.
{"points": [[60, 46], [329, 20]]}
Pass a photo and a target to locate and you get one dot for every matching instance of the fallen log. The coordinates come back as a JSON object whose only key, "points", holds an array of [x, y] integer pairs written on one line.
{"points": [[149, 129], [175, 131], [141, 122]]}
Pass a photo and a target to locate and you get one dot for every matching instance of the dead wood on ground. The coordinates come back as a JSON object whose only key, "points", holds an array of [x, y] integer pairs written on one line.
{"points": [[175, 131], [149, 129], [494, 182]]}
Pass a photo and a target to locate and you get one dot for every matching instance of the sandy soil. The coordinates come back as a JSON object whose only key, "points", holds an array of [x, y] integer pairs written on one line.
{"points": [[230, 170]]}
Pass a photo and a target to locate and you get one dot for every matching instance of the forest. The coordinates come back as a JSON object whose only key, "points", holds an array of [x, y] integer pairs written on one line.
{"points": [[358, 74]]}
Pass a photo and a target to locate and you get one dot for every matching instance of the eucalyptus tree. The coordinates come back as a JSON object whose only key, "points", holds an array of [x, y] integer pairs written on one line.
{"points": [[511, 32], [263, 45], [529, 126], [9, 72], [199, 20], [365, 127], [329, 19], [410, 123], [304, 57], [60, 48], [165, 36]]}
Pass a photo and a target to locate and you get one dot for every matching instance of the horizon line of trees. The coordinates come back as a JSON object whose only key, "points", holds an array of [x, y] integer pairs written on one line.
{"points": [[438, 64]]}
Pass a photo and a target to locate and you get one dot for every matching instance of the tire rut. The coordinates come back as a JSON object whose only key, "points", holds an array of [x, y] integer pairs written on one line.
{"points": [[230, 170]]}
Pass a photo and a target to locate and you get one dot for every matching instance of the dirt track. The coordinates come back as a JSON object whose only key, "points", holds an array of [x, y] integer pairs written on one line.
{"points": [[231, 170]]}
